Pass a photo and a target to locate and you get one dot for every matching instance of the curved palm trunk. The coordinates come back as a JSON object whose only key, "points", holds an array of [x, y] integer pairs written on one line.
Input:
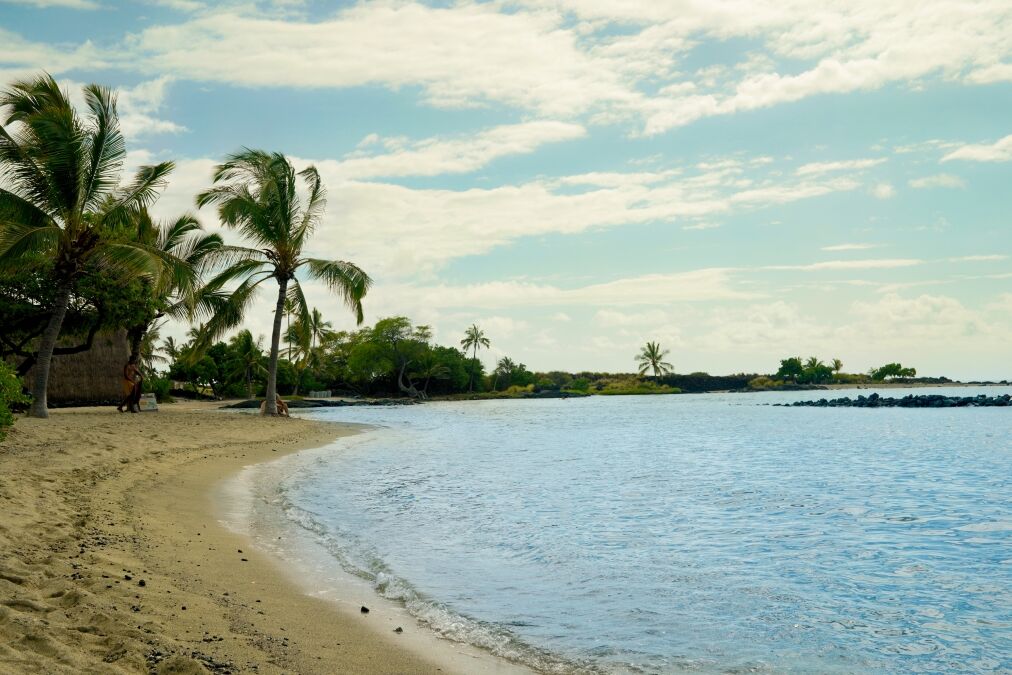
{"points": [[272, 371], [47, 343]]}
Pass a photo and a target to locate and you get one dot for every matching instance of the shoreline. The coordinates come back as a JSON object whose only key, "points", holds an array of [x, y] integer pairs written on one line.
{"points": [[115, 560]]}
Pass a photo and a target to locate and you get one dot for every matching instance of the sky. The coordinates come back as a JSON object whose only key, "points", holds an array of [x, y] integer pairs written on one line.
{"points": [[741, 181]]}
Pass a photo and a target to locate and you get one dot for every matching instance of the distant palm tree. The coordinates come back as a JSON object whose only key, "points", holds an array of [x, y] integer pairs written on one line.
{"points": [[147, 350], [837, 366], [319, 330], [186, 250], [651, 357], [250, 354], [257, 194], [504, 369], [474, 338], [171, 348], [61, 196], [813, 362]]}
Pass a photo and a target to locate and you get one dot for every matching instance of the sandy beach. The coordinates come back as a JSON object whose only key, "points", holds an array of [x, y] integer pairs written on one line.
{"points": [[113, 560]]}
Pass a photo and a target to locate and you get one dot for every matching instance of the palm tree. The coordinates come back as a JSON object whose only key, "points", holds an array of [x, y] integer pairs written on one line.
{"points": [[652, 358], [319, 330], [60, 196], [187, 251], [251, 358], [171, 348], [837, 366], [147, 349], [504, 369], [474, 338], [257, 194]]}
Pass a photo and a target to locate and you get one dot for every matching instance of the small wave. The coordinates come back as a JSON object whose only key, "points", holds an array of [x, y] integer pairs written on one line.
{"points": [[359, 559]]}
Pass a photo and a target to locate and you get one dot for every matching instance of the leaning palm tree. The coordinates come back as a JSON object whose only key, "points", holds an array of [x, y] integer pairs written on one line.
{"points": [[60, 195], [474, 338], [651, 357], [257, 194]]}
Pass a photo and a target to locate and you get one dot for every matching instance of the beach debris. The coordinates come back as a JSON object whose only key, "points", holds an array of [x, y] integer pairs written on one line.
{"points": [[142, 583], [398, 630], [364, 610]]}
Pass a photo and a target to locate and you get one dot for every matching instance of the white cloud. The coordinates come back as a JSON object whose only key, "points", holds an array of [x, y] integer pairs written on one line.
{"points": [[816, 168], [462, 154], [883, 191], [559, 58], [139, 106], [979, 258], [651, 289], [849, 247], [872, 264], [944, 180], [460, 56], [999, 151], [701, 226], [71, 4]]}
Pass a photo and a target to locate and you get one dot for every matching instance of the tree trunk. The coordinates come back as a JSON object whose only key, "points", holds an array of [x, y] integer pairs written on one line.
{"points": [[47, 342], [136, 336], [272, 371], [249, 384]]}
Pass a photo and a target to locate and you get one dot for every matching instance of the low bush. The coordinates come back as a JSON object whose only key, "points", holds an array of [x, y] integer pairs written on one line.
{"points": [[161, 387], [11, 397]]}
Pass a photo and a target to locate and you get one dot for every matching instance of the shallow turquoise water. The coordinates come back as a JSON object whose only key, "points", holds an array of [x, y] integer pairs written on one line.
{"points": [[664, 534]]}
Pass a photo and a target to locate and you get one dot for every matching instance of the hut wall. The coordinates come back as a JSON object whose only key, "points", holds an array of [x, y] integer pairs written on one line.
{"points": [[89, 378]]}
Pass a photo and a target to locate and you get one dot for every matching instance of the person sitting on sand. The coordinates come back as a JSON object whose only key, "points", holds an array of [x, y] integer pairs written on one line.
{"points": [[132, 379], [282, 407]]}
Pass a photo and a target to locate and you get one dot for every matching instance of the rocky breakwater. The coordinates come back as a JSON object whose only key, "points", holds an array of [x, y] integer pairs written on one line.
{"points": [[909, 401]]}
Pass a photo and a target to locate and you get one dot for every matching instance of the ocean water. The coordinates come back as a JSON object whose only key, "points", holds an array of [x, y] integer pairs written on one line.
{"points": [[669, 534]]}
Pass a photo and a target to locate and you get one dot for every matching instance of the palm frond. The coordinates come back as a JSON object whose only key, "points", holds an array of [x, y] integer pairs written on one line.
{"points": [[107, 149], [140, 193], [19, 242], [344, 278]]}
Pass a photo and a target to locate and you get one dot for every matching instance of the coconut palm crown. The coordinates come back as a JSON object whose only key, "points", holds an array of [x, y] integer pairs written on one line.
{"points": [[474, 338], [61, 198], [651, 357], [257, 194]]}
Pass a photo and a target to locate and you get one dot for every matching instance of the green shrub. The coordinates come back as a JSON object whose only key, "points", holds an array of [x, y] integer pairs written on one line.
{"points": [[160, 387], [10, 395], [763, 383]]}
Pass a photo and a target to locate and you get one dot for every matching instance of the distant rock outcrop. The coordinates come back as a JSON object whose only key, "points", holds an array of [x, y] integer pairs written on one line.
{"points": [[909, 401]]}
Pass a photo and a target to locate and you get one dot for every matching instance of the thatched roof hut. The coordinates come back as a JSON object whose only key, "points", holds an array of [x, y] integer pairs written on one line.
{"points": [[93, 377]]}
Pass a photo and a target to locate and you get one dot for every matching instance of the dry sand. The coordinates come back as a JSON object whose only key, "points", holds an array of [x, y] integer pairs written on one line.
{"points": [[113, 561]]}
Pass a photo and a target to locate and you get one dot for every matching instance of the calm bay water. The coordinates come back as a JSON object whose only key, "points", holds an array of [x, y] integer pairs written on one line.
{"points": [[683, 533]]}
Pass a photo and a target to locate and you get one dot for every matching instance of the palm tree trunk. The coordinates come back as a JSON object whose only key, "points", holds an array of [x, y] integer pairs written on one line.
{"points": [[272, 371], [474, 368], [47, 343]]}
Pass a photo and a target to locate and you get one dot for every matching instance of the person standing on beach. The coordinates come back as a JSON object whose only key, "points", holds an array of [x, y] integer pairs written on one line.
{"points": [[132, 378]]}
